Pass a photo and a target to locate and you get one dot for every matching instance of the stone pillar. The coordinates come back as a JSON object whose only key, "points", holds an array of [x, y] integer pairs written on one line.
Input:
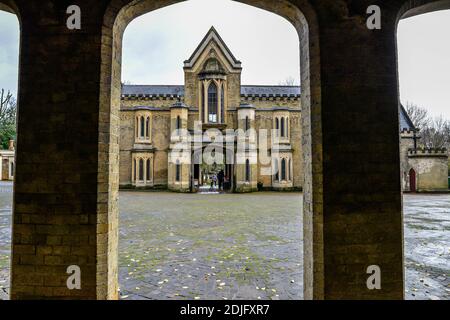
{"points": [[180, 149], [63, 215], [361, 220], [246, 150]]}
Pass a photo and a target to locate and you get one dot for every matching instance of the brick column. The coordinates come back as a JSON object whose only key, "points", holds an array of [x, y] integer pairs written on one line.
{"points": [[57, 191], [362, 214]]}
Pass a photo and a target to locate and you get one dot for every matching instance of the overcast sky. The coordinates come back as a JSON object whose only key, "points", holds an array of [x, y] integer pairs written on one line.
{"points": [[156, 44]]}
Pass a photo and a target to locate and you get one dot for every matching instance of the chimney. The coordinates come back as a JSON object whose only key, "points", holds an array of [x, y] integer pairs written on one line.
{"points": [[11, 145]]}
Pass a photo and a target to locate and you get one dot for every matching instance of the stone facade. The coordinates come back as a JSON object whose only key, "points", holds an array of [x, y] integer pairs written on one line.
{"points": [[429, 168], [213, 97]]}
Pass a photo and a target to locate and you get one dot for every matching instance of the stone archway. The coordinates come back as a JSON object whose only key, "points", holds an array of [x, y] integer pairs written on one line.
{"points": [[65, 199], [118, 16]]}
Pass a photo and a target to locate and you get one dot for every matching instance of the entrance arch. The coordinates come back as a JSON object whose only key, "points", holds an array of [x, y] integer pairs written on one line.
{"points": [[352, 192], [118, 15]]}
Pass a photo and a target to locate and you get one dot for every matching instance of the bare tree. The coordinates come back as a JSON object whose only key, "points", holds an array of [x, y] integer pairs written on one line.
{"points": [[436, 134], [289, 81], [8, 110], [418, 115]]}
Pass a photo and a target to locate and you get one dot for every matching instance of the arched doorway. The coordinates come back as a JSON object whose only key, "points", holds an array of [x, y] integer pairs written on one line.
{"points": [[412, 180]]}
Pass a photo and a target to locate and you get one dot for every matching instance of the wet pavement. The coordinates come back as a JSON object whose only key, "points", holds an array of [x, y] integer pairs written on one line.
{"points": [[427, 246], [241, 246]]}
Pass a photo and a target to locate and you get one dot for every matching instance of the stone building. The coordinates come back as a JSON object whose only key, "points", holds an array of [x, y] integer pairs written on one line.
{"points": [[422, 169], [213, 95], [7, 163], [153, 119]]}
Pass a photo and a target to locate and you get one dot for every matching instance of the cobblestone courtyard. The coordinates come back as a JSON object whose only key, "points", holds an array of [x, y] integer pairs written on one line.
{"points": [[241, 246]]}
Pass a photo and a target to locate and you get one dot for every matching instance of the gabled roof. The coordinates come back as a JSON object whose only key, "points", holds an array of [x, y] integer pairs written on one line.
{"points": [[212, 35], [405, 121]]}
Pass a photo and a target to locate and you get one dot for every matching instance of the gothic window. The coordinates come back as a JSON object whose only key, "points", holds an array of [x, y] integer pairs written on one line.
{"points": [[141, 170], [147, 128], [247, 170], [222, 104], [178, 171], [247, 123], [178, 125], [142, 127], [212, 103], [283, 169], [282, 127], [148, 170], [134, 170], [277, 125]]}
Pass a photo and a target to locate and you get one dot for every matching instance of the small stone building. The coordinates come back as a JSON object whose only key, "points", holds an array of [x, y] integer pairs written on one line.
{"points": [[7, 163], [423, 170]]}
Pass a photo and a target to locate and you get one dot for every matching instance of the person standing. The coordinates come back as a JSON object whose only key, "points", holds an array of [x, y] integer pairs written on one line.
{"points": [[221, 178]]}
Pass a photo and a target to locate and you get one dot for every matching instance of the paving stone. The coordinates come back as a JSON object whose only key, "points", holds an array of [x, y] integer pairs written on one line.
{"points": [[182, 246]]}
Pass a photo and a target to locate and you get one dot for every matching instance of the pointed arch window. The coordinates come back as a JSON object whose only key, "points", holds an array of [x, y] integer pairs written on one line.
{"points": [[141, 170], [247, 123], [282, 127], [277, 125], [142, 127], [148, 176], [247, 170], [283, 169], [222, 104], [178, 125], [147, 127], [212, 103]]}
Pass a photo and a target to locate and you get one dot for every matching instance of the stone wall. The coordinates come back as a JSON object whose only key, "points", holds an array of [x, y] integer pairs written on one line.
{"points": [[431, 168]]}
